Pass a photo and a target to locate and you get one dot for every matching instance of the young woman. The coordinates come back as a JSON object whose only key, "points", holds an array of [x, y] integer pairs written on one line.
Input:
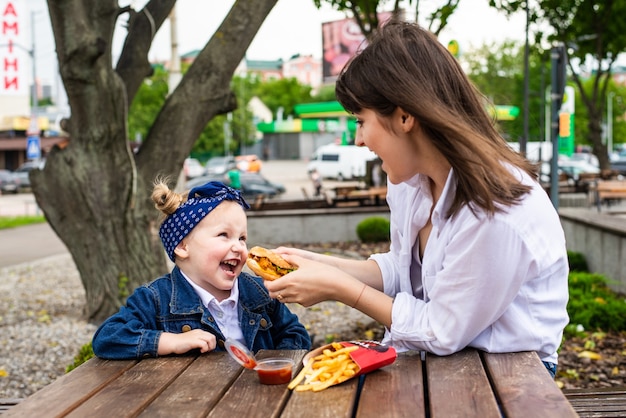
{"points": [[478, 254]]}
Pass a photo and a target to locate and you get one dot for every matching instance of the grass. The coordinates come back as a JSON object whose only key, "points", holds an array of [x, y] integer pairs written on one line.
{"points": [[15, 221]]}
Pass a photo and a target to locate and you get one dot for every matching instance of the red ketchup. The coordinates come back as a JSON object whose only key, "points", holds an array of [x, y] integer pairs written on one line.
{"points": [[274, 371]]}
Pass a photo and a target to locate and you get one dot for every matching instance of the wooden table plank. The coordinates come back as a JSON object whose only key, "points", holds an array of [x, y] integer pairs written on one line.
{"points": [[247, 397], [334, 402], [198, 389], [70, 390], [131, 392], [524, 386], [396, 390], [458, 387]]}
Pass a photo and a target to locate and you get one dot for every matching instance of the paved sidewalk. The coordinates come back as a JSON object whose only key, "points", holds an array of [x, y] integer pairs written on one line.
{"points": [[29, 243]]}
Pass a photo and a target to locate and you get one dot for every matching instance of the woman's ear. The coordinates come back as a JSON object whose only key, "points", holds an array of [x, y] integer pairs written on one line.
{"points": [[181, 250], [407, 121]]}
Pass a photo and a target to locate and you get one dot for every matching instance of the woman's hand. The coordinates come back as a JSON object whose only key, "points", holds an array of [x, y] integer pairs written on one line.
{"points": [[312, 282], [310, 255], [170, 343]]}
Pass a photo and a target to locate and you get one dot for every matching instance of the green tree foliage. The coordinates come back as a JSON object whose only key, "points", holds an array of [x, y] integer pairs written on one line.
{"points": [[283, 93], [593, 32], [365, 12], [275, 94], [497, 71], [147, 103], [326, 93]]}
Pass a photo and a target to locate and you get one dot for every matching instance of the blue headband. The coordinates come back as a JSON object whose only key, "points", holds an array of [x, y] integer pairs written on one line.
{"points": [[200, 202]]}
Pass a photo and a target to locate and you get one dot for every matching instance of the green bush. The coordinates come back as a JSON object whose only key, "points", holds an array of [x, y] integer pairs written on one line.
{"points": [[577, 261], [593, 304], [85, 353], [374, 229]]}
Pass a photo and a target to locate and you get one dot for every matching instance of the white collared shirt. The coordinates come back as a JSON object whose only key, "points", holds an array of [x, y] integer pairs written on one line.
{"points": [[498, 284], [225, 312]]}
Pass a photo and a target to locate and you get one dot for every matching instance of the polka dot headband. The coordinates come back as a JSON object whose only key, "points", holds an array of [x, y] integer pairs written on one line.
{"points": [[201, 201]]}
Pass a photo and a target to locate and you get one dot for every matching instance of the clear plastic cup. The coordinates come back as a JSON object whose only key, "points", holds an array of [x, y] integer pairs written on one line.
{"points": [[275, 371]]}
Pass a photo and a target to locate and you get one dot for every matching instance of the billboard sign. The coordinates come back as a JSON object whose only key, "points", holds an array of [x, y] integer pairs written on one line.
{"points": [[341, 39], [14, 56]]}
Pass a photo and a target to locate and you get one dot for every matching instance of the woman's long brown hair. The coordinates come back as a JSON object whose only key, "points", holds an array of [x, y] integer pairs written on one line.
{"points": [[406, 66]]}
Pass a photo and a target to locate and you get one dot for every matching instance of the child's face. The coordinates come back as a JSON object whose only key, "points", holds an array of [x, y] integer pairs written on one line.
{"points": [[215, 251]]}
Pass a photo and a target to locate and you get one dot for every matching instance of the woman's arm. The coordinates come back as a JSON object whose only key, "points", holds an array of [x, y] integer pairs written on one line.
{"points": [[321, 277], [365, 271]]}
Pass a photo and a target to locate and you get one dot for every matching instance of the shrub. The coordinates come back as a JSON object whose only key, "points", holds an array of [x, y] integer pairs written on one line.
{"points": [[374, 229], [593, 304], [85, 353], [577, 261]]}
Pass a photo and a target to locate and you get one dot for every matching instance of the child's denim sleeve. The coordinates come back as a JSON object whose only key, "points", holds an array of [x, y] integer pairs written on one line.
{"points": [[132, 332]]}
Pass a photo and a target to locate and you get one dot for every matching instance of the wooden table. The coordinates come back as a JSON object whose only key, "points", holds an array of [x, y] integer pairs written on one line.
{"points": [[466, 384]]}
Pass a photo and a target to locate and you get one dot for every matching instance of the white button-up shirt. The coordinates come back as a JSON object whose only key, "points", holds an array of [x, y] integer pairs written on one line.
{"points": [[225, 313], [499, 284]]}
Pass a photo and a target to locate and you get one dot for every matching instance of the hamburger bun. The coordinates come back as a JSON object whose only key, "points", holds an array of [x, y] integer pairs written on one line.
{"points": [[267, 264]]}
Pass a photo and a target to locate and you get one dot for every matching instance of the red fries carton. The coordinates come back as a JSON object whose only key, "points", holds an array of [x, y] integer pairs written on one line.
{"points": [[340, 361]]}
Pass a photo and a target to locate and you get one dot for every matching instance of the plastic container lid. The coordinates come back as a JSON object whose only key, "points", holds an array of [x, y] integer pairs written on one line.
{"points": [[240, 353]]}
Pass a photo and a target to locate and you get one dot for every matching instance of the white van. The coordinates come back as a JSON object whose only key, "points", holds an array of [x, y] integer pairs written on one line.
{"points": [[341, 162]]}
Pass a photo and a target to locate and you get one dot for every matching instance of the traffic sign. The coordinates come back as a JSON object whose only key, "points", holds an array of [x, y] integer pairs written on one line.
{"points": [[33, 147]]}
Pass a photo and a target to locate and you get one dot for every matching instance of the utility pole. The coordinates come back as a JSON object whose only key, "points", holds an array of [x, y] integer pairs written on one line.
{"points": [[524, 140], [34, 95], [559, 64], [175, 73]]}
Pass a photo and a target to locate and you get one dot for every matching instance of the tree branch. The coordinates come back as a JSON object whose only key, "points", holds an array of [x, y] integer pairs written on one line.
{"points": [[133, 65]]}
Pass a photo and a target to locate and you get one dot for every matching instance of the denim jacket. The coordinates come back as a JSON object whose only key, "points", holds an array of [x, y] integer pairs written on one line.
{"points": [[170, 304]]}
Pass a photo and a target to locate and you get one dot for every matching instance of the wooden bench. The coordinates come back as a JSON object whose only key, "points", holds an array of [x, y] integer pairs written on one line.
{"points": [[608, 190], [606, 402]]}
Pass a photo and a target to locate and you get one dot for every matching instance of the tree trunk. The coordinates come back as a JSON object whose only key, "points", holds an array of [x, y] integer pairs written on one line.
{"points": [[95, 192]]}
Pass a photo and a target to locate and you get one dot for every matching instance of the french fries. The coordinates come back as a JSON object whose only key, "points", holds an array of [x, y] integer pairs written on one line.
{"points": [[327, 369]]}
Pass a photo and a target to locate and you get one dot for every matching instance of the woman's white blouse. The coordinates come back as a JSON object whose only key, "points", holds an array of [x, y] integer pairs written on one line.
{"points": [[496, 283]]}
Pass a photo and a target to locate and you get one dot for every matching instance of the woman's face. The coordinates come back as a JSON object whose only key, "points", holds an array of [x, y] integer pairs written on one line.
{"points": [[394, 147], [214, 252]]}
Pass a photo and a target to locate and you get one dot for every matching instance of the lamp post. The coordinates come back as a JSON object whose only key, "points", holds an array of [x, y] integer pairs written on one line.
{"points": [[34, 96], [559, 62], [524, 139]]}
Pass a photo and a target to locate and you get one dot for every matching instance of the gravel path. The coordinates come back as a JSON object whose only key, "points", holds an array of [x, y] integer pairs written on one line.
{"points": [[42, 325]]}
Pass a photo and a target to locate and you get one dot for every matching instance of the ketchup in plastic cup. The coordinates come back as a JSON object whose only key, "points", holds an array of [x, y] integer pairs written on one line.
{"points": [[275, 371], [271, 371]]}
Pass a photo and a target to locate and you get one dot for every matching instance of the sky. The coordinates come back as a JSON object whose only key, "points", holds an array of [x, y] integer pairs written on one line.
{"points": [[292, 27]]}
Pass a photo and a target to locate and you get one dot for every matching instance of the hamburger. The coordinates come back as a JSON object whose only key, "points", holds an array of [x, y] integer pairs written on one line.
{"points": [[267, 264]]}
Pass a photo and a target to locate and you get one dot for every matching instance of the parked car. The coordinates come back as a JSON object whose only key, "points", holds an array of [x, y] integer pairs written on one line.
{"points": [[574, 168], [21, 175], [220, 165], [252, 185], [341, 162], [249, 163], [31, 165], [257, 179], [193, 168], [22, 180], [619, 165], [7, 182]]}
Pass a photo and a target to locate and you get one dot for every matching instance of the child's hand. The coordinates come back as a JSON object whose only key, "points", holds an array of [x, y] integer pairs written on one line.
{"points": [[170, 343]]}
